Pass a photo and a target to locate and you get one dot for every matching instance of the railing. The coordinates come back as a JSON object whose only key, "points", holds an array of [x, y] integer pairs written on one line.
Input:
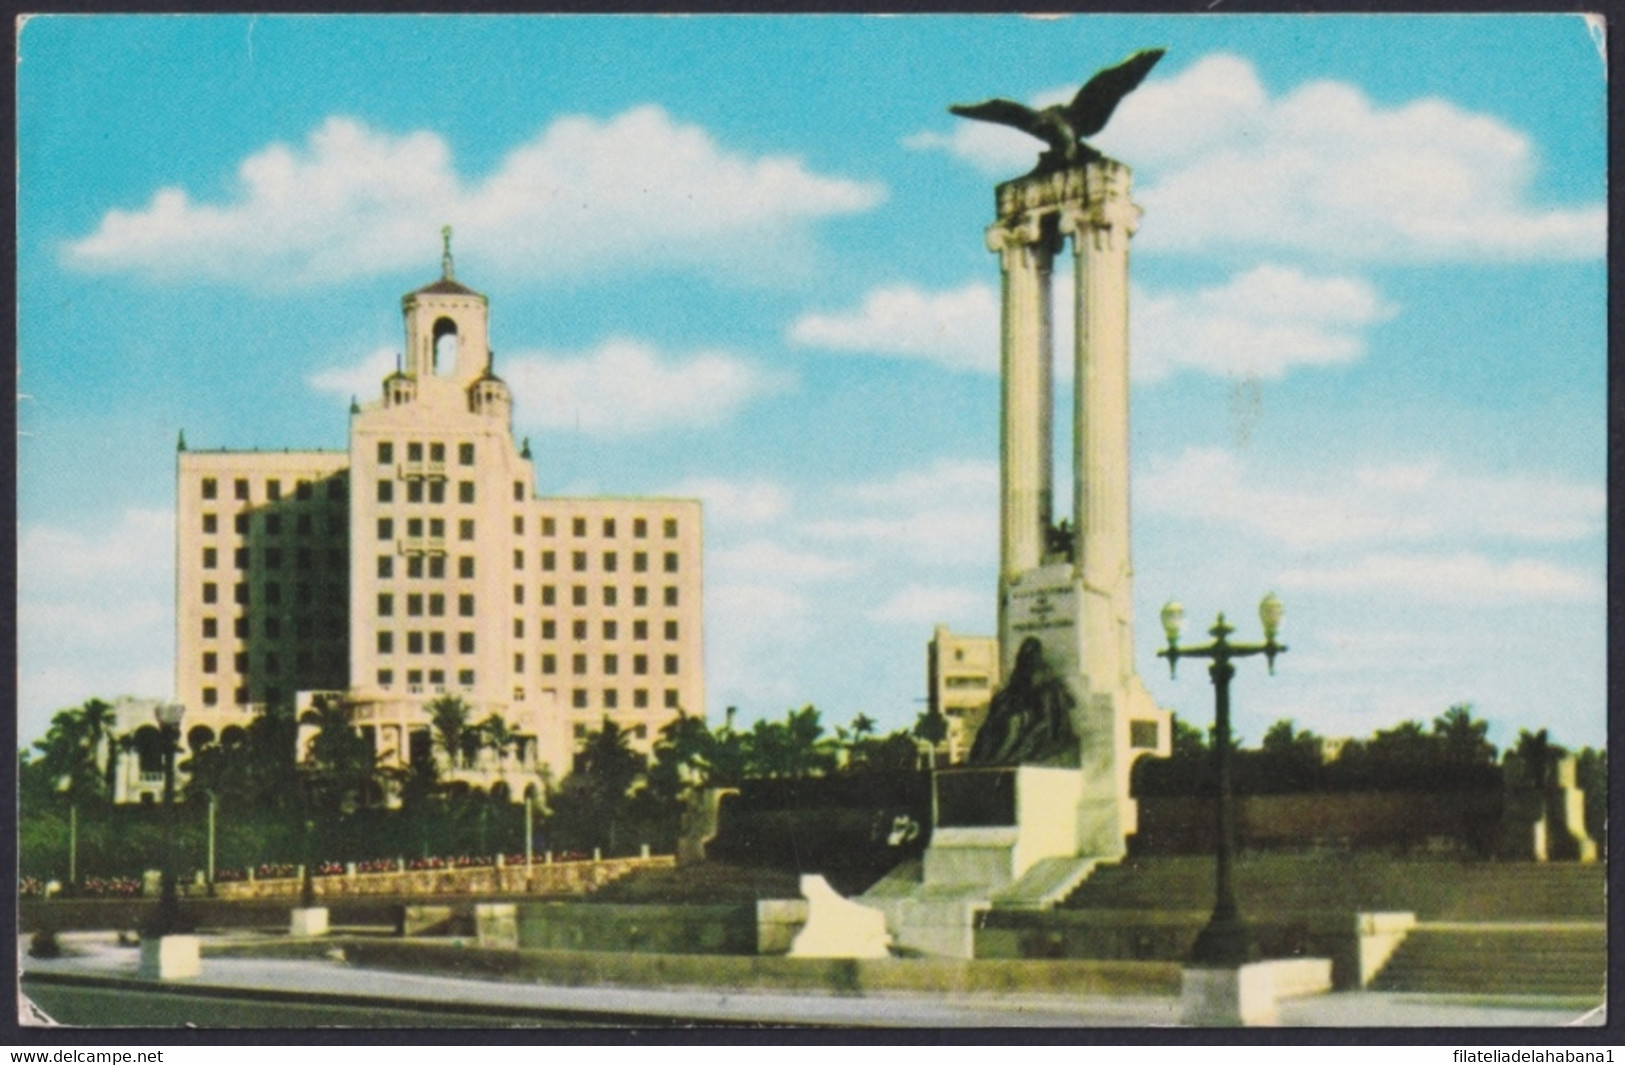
{"points": [[423, 468]]}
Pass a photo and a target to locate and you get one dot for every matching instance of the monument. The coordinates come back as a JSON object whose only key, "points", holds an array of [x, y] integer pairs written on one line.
{"points": [[1045, 795]]}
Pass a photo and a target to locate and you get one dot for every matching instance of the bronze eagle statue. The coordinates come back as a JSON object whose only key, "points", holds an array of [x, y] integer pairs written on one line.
{"points": [[1064, 126]]}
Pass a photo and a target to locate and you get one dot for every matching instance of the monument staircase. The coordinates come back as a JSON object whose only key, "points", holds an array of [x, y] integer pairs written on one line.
{"points": [[1487, 927]]}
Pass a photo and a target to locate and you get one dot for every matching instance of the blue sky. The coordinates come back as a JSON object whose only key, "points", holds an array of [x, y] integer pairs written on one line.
{"points": [[742, 258]]}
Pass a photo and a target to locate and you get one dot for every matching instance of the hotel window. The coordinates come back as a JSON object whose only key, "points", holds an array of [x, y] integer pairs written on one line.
{"points": [[437, 566], [465, 566], [386, 491], [437, 643], [549, 629], [465, 491], [549, 527], [465, 677], [273, 558], [578, 665], [578, 629], [465, 643], [465, 606], [437, 676], [240, 593], [518, 663], [386, 529], [239, 628], [519, 628], [273, 524], [414, 676], [671, 562], [414, 452], [640, 664], [609, 528], [518, 524], [465, 454], [640, 562], [549, 595], [610, 561], [640, 596], [211, 696], [437, 491], [241, 695], [437, 605], [671, 630], [210, 557], [671, 595], [210, 523], [550, 664], [640, 527], [414, 605], [386, 566], [437, 528], [640, 630], [549, 560], [578, 561], [578, 526], [612, 664], [414, 528], [414, 643], [386, 452], [386, 677], [519, 491], [302, 490], [671, 665], [518, 559], [578, 595], [578, 698], [610, 630], [386, 643], [671, 528], [239, 662], [465, 529], [240, 523], [210, 662], [414, 491], [414, 565], [241, 488], [611, 698], [640, 698], [273, 489], [211, 488], [211, 628], [335, 490], [437, 452], [386, 604], [519, 593], [671, 698]]}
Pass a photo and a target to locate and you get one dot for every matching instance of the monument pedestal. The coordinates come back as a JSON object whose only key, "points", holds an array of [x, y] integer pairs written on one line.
{"points": [[171, 958]]}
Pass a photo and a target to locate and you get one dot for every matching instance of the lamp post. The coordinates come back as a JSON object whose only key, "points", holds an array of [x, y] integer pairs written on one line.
{"points": [[1225, 940], [168, 919]]}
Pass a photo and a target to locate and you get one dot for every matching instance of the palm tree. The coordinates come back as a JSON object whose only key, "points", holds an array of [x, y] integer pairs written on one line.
{"points": [[448, 720], [1462, 739], [342, 765], [496, 736]]}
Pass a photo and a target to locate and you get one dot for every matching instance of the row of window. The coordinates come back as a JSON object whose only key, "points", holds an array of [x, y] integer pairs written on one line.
{"points": [[611, 664], [611, 629], [304, 558], [211, 696], [303, 627], [415, 452], [611, 595], [581, 699], [415, 678], [271, 593], [610, 561], [304, 662], [242, 489], [304, 524], [419, 492], [418, 643]]}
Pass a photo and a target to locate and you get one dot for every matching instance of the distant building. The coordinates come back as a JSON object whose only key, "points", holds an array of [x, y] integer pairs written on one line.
{"points": [[420, 563], [962, 674]]}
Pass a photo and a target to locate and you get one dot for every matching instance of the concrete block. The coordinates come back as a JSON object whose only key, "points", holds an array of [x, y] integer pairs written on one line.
{"points": [[1227, 997], [778, 922], [419, 920], [838, 927], [308, 921], [496, 925], [171, 958]]}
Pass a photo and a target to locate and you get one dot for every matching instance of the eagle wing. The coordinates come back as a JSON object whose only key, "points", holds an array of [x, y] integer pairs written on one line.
{"points": [[1092, 108], [1004, 112]]}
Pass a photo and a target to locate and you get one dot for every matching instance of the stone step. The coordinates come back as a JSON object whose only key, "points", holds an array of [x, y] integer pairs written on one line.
{"points": [[1514, 960]]}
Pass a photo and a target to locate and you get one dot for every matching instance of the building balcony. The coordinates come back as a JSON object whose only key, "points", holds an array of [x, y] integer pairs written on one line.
{"points": [[423, 468], [423, 545]]}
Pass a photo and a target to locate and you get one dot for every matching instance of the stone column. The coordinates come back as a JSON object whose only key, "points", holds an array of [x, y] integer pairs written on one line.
{"points": [[1026, 245], [1101, 225]]}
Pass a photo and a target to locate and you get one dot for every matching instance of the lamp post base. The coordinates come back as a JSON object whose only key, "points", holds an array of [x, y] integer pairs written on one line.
{"points": [[1227, 996], [1225, 941], [170, 957], [308, 921]]}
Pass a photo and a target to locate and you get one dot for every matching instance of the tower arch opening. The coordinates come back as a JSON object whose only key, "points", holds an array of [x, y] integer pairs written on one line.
{"points": [[447, 346]]}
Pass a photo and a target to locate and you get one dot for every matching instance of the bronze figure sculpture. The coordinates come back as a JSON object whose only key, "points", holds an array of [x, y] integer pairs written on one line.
{"points": [[1064, 126], [1030, 719]]}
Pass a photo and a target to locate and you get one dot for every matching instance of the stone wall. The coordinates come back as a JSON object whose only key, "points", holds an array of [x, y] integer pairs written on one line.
{"points": [[1469, 821], [543, 878]]}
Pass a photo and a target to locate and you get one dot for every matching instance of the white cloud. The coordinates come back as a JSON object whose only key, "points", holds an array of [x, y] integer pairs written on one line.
{"points": [[927, 605], [1461, 577], [1258, 324], [94, 613], [625, 387], [958, 329], [1223, 163], [635, 191], [734, 503], [944, 515], [759, 559], [361, 379], [1419, 502]]}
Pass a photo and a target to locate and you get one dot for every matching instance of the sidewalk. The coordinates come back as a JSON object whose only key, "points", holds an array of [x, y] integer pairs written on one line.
{"points": [[99, 956]]}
